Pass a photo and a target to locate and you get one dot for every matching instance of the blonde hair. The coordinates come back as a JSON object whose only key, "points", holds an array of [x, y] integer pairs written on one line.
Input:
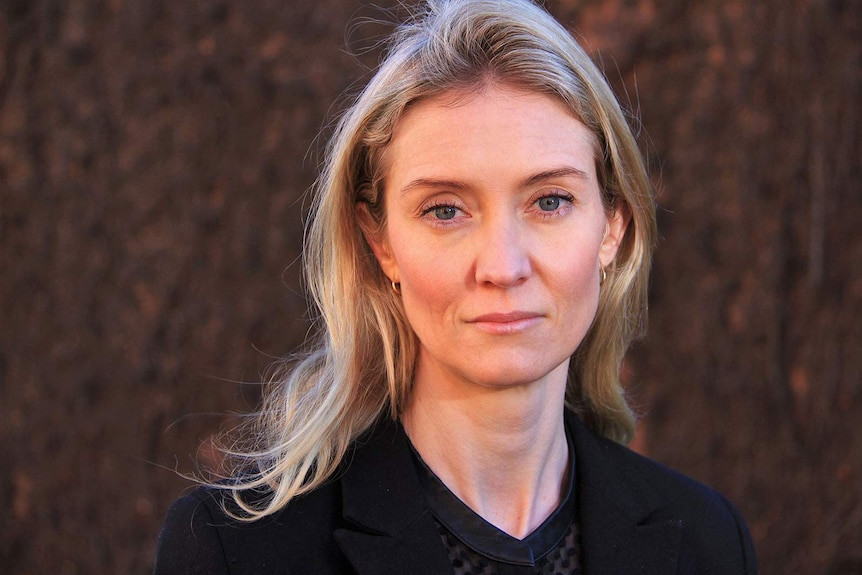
{"points": [[362, 365]]}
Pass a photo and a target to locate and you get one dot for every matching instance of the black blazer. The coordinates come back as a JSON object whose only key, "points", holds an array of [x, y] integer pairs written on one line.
{"points": [[636, 517]]}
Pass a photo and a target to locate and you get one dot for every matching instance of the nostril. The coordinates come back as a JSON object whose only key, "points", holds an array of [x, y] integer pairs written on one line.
{"points": [[503, 263]]}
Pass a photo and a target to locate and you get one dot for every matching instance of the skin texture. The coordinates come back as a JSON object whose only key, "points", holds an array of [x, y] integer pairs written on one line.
{"points": [[496, 232]]}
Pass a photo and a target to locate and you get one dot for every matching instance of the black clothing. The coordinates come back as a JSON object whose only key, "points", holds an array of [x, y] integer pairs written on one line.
{"points": [[476, 547], [636, 517]]}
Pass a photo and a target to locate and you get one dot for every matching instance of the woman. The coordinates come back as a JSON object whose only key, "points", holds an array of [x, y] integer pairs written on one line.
{"points": [[479, 253]]}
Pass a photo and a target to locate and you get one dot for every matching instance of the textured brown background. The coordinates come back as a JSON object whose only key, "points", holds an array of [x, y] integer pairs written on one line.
{"points": [[153, 157]]}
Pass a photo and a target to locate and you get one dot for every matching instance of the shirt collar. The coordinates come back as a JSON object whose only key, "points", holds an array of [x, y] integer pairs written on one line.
{"points": [[488, 540]]}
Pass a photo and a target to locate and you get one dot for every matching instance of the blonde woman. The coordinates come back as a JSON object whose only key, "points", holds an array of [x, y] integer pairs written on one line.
{"points": [[479, 252]]}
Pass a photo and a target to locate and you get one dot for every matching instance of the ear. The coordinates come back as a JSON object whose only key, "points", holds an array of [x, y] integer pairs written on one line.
{"points": [[615, 231], [375, 236]]}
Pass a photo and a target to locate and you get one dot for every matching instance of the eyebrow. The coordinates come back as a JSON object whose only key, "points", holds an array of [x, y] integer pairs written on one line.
{"points": [[433, 183], [561, 172]]}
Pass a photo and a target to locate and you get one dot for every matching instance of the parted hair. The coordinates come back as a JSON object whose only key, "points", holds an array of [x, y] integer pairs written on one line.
{"points": [[360, 366]]}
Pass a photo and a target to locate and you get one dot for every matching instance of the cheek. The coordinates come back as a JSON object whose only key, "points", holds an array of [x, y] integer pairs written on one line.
{"points": [[576, 253], [580, 285], [573, 277], [429, 278]]}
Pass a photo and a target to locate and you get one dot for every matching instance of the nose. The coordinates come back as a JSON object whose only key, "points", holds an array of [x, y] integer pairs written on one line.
{"points": [[502, 254]]}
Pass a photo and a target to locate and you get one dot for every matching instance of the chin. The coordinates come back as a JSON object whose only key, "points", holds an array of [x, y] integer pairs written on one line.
{"points": [[519, 375]]}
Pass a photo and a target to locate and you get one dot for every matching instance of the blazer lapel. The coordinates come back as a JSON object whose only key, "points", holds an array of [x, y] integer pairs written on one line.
{"points": [[413, 552], [391, 528], [392, 532], [618, 535]]}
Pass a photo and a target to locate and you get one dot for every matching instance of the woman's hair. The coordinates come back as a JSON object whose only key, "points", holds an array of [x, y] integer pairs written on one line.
{"points": [[362, 365]]}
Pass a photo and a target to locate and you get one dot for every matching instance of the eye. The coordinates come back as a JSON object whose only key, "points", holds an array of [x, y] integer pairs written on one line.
{"points": [[441, 212], [555, 202], [549, 203], [444, 212]]}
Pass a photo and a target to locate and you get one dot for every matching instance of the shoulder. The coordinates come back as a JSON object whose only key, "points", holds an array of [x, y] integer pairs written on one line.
{"points": [[188, 543], [713, 531], [200, 535], [678, 494]]}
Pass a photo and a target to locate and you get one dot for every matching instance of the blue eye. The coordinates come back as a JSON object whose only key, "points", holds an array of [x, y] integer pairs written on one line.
{"points": [[549, 203], [445, 212]]}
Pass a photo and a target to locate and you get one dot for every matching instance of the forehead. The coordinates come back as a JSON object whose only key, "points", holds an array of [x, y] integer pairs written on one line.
{"points": [[463, 96], [466, 127]]}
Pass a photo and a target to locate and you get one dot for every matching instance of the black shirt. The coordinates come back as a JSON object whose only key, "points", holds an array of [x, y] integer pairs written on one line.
{"points": [[477, 547]]}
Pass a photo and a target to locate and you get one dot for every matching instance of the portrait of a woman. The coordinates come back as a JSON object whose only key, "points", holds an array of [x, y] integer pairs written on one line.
{"points": [[478, 251]]}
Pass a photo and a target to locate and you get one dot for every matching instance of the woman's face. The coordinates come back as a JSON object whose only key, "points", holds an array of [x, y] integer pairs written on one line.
{"points": [[496, 231]]}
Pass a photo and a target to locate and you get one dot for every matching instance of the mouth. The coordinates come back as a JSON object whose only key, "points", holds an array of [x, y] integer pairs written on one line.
{"points": [[505, 323]]}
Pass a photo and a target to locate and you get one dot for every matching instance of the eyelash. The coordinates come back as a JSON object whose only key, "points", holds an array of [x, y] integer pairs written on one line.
{"points": [[429, 211], [565, 197]]}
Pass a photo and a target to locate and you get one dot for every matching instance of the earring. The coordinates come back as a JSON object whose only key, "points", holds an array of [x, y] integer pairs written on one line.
{"points": [[396, 287], [603, 277]]}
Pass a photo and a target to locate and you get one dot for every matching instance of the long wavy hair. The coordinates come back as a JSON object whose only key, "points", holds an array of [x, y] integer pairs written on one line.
{"points": [[361, 366]]}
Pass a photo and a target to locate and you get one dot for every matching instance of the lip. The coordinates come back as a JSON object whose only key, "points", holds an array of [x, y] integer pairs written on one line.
{"points": [[505, 323]]}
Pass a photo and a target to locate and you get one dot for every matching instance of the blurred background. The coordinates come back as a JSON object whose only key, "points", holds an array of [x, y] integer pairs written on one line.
{"points": [[153, 161]]}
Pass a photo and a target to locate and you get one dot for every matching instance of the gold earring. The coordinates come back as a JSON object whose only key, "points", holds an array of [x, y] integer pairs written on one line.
{"points": [[603, 277], [396, 287]]}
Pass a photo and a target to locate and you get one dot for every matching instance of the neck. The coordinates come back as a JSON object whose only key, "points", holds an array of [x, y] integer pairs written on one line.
{"points": [[502, 451]]}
